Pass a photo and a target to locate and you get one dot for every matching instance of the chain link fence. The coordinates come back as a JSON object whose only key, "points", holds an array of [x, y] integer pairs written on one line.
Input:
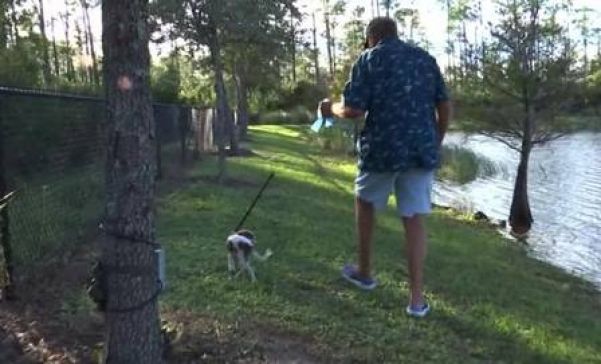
{"points": [[52, 156]]}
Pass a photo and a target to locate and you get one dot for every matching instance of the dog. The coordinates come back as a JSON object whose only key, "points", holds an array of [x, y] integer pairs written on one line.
{"points": [[241, 247]]}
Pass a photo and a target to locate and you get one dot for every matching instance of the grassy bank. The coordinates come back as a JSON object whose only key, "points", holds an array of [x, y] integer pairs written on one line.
{"points": [[491, 302]]}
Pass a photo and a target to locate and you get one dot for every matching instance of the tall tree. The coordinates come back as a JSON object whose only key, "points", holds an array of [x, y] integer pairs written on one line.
{"points": [[583, 23], [57, 68], [389, 6], [527, 73], [14, 17], [202, 23], [315, 51], [133, 330], [85, 6], [45, 51], [263, 27], [66, 17]]}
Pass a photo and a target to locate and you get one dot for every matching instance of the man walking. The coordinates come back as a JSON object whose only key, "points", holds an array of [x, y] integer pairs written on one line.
{"points": [[401, 91]]}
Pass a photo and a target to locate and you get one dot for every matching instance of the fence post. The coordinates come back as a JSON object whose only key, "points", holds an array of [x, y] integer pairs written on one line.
{"points": [[158, 139], [194, 127], [9, 288]]}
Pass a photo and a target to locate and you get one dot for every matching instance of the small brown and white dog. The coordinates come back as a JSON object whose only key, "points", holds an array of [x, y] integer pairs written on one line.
{"points": [[241, 247]]}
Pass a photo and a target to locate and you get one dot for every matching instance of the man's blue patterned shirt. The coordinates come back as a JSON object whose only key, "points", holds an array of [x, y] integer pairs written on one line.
{"points": [[399, 86]]}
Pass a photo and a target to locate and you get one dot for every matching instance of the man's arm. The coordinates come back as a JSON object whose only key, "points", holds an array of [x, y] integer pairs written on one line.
{"points": [[444, 111]]}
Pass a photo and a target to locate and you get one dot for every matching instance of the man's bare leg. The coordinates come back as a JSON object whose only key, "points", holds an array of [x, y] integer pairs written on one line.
{"points": [[365, 217], [415, 233]]}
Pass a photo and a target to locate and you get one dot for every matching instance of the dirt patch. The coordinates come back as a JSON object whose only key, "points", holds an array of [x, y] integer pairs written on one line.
{"points": [[208, 340], [51, 320]]}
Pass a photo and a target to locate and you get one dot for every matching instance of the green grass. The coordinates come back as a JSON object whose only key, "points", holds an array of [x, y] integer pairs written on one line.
{"points": [[491, 302]]}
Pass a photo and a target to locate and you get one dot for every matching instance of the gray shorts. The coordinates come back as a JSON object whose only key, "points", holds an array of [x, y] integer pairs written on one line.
{"points": [[412, 189]]}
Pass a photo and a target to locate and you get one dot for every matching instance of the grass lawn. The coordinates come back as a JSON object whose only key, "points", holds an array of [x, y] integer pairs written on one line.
{"points": [[491, 303]]}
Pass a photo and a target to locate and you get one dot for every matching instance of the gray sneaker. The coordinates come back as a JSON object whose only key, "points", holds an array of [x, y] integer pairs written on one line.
{"points": [[418, 312]]}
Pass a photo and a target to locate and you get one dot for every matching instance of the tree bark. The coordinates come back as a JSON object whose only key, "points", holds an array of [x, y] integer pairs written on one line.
{"points": [[133, 336]]}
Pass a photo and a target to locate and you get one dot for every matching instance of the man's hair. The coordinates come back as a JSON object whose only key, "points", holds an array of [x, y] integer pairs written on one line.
{"points": [[380, 28]]}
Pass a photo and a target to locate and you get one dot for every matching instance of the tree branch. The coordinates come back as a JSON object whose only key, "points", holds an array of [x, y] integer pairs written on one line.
{"points": [[501, 140], [548, 137]]}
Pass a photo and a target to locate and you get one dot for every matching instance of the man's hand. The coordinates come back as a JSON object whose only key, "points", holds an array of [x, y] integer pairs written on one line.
{"points": [[325, 107], [339, 110]]}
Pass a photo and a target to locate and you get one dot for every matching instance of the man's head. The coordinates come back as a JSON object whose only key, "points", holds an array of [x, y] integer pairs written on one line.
{"points": [[380, 28]]}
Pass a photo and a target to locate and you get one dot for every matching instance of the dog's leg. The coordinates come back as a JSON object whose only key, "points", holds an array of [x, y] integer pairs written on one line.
{"points": [[251, 272], [231, 264]]}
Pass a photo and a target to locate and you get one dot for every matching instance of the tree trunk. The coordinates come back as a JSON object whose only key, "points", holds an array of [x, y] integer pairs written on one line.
{"points": [[133, 328], [315, 51], [326, 15], [46, 53], [90, 37], [5, 238], [69, 58], [57, 68], [242, 98], [223, 112], [293, 49], [83, 71], [15, 22], [520, 216]]}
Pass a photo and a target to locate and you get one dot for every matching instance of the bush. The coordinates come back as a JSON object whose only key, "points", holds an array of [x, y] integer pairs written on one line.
{"points": [[460, 165], [296, 116]]}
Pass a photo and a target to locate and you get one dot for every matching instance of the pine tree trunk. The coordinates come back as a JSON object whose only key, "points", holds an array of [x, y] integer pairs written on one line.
{"points": [[69, 56], [90, 37], [133, 337], [15, 22], [57, 68], [293, 49], [315, 51], [46, 53], [223, 112], [242, 98], [326, 12]]}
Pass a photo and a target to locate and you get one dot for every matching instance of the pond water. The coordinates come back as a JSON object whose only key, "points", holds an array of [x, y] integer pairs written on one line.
{"points": [[565, 197]]}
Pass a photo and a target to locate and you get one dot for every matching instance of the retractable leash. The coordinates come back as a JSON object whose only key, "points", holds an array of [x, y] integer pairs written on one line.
{"points": [[252, 206]]}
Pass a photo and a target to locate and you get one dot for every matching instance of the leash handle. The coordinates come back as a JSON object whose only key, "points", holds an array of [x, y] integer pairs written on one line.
{"points": [[252, 206]]}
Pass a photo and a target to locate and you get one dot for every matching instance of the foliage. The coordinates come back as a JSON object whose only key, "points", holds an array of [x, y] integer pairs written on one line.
{"points": [[306, 218], [166, 79], [461, 165]]}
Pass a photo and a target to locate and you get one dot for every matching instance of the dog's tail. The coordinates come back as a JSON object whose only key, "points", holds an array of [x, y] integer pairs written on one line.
{"points": [[264, 257]]}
